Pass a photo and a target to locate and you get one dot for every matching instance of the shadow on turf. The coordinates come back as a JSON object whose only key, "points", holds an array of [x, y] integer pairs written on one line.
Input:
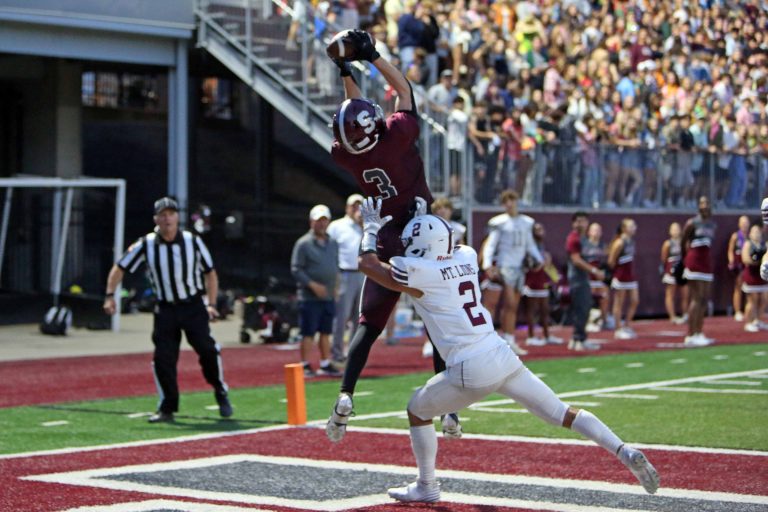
{"points": [[186, 420]]}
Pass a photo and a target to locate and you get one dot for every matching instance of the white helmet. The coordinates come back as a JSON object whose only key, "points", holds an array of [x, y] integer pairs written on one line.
{"points": [[427, 236]]}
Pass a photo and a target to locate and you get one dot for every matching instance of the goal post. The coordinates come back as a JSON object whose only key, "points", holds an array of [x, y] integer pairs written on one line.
{"points": [[60, 221]]}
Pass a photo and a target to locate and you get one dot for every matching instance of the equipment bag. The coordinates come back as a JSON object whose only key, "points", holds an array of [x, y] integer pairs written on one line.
{"points": [[56, 321]]}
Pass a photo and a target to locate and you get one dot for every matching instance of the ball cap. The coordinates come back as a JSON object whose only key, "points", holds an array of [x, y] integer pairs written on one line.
{"points": [[319, 211], [355, 198], [166, 203]]}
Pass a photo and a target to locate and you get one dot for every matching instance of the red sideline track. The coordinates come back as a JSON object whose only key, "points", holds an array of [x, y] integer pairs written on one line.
{"points": [[97, 377], [743, 474]]}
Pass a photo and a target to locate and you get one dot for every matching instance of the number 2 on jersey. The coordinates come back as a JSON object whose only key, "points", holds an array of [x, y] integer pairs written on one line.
{"points": [[469, 286], [381, 180]]}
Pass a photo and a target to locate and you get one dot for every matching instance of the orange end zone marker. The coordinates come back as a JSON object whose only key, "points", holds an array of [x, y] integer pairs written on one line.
{"points": [[294, 392]]}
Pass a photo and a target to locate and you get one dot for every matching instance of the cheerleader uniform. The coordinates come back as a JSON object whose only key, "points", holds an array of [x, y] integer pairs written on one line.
{"points": [[595, 255], [674, 256], [751, 280], [698, 260], [624, 272]]}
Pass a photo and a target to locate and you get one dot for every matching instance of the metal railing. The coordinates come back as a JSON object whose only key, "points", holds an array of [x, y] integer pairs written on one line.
{"points": [[604, 176]]}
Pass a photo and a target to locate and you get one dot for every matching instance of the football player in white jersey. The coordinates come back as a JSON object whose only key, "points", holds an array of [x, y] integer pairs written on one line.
{"points": [[442, 279], [510, 240]]}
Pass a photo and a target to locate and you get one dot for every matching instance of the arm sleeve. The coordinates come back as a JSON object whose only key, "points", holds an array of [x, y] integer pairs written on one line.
{"points": [[133, 257], [205, 256], [298, 264], [399, 270], [489, 250]]}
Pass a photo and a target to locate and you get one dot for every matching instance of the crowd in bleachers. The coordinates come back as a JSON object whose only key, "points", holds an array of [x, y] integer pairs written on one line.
{"points": [[635, 103]]}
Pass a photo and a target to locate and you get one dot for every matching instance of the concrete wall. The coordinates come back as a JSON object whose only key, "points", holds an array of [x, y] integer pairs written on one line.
{"points": [[652, 230]]}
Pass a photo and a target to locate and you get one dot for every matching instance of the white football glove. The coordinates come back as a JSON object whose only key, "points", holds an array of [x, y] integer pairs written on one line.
{"points": [[371, 212], [764, 270], [421, 207], [764, 210]]}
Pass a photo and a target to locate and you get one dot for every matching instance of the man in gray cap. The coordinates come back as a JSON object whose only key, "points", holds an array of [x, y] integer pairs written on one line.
{"points": [[314, 265], [186, 286]]}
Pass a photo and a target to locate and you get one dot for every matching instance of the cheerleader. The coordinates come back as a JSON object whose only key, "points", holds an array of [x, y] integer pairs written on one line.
{"points": [[624, 284], [671, 255], [595, 254], [755, 288], [536, 293], [735, 265]]}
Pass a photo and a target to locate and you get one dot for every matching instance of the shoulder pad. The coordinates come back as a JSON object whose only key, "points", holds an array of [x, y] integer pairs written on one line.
{"points": [[498, 220]]}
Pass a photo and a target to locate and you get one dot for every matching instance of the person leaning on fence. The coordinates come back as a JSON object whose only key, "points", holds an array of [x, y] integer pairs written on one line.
{"points": [[314, 265], [347, 231], [182, 274]]}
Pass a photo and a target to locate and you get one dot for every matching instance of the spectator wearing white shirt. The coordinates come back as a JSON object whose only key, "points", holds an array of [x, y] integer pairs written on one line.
{"points": [[348, 232], [456, 140], [510, 240]]}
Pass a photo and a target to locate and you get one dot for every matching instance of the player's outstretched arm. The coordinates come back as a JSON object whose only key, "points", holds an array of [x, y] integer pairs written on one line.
{"points": [[398, 82], [375, 269]]}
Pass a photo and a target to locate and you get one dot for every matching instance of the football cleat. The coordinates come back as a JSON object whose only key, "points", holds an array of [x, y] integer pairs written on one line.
{"points": [[337, 423], [641, 468], [451, 426], [417, 491], [697, 340]]}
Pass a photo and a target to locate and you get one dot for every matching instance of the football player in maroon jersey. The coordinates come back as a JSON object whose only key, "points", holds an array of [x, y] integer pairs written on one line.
{"points": [[381, 154]]}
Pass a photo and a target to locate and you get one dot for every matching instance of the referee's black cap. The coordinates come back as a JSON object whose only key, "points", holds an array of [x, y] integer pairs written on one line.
{"points": [[166, 203]]}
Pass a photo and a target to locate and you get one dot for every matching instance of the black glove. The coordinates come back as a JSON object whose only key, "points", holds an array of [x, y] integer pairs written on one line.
{"points": [[344, 67], [366, 50]]}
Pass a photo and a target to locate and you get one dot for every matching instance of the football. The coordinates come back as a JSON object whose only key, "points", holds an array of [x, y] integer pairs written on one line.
{"points": [[343, 46]]}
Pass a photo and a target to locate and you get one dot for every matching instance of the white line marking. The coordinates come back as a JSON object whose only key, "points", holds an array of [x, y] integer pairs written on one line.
{"points": [[758, 376], [627, 395], [101, 478], [518, 409], [138, 415], [720, 357], [211, 407], [759, 353], [574, 442], [152, 505], [57, 423], [313, 424], [363, 393], [678, 361], [634, 365], [710, 390], [735, 382], [586, 370]]}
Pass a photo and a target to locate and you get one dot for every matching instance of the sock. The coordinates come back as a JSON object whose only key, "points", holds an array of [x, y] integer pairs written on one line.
{"points": [[590, 426], [424, 445]]}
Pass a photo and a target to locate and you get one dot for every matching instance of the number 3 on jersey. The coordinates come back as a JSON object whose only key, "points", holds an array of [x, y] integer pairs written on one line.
{"points": [[381, 180], [469, 286]]}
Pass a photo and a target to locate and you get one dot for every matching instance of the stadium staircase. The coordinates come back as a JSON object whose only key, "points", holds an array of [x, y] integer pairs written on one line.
{"points": [[249, 38]]}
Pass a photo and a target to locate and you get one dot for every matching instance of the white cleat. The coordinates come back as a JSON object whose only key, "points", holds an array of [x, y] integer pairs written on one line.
{"points": [[624, 333], [641, 468], [517, 349], [451, 426], [533, 341], [337, 423], [554, 340], [697, 340], [416, 492]]}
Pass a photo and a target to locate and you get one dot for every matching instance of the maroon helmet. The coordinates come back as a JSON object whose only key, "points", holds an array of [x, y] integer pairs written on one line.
{"points": [[358, 124]]}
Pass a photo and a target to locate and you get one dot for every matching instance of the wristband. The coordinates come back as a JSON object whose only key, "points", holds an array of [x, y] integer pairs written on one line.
{"points": [[368, 244], [109, 294]]}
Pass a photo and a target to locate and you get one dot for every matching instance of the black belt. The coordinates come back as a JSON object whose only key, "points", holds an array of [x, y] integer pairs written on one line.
{"points": [[189, 300]]}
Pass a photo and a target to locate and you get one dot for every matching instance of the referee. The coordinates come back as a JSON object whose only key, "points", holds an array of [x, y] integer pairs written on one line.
{"points": [[181, 270]]}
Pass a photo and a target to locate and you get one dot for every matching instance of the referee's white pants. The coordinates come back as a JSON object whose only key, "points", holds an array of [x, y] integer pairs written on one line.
{"points": [[467, 383]]}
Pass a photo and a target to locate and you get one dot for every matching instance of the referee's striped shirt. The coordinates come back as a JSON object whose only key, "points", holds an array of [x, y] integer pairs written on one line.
{"points": [[175, 268]]}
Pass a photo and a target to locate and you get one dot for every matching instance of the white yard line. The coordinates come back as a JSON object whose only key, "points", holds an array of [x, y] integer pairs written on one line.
{"points": [[589, 392], [713, 390]]}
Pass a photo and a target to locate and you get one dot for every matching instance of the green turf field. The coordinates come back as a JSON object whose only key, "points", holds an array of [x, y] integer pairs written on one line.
{"points": [[732, 415]]}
